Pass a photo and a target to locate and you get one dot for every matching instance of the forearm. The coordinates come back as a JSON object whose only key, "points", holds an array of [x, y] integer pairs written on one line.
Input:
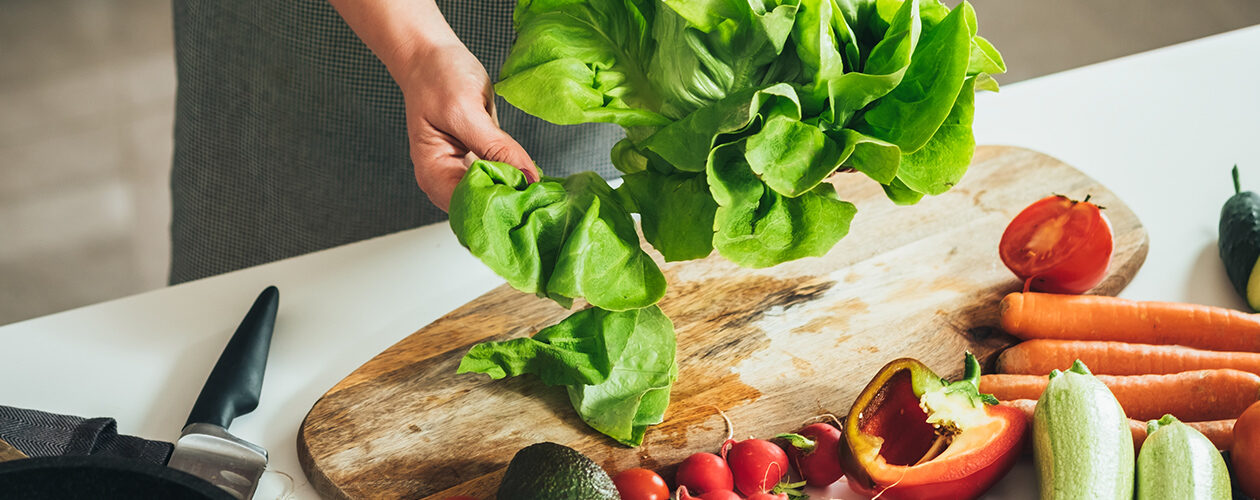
{"points": [[397, 30]]}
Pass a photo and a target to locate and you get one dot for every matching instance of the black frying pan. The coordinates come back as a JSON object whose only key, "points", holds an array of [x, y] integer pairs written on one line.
{"points": [[84, 476], [231, 390]]}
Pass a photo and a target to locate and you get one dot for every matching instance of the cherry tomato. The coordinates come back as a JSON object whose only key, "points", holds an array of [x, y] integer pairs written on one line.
{"points": [[1246, 452], [1058, 245], [641, 484], [704, 472]]}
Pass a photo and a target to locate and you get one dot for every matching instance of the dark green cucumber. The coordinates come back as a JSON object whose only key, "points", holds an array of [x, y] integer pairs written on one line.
{"points": [[1239, 240]]}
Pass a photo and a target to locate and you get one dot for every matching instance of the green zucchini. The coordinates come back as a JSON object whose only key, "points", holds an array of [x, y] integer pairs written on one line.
{"points": [[1082, 445], [1179, 462], [1239, 241]]}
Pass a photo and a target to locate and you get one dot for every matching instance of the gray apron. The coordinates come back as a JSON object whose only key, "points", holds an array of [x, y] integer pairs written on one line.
{"points": [[290, 135]]}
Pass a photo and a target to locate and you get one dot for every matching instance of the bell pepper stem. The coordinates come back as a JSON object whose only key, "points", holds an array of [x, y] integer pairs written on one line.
{"points": [[971, 370], [970, 383]]}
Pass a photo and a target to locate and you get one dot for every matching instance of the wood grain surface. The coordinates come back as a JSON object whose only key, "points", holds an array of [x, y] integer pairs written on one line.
{"points": [[770, 347]]}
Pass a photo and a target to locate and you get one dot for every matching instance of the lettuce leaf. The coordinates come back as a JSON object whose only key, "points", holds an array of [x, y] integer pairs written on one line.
{"points": [[580, 61], [805, 87], [677, 238], [618, 367], [758, 227], [698, 63], [557, 238], [911, 113]]}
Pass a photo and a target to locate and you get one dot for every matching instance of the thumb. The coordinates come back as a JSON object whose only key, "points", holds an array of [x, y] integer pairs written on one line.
{"points": [[489, 142]]}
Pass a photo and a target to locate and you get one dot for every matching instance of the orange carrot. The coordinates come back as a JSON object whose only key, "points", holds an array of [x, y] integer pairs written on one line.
{"points": [[1219, 432], [1011, 387], [1028, 406], [1193, 396], [1096, 317], [1039, 356]]}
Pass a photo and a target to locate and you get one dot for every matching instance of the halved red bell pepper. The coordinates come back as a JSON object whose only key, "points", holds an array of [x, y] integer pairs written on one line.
{"points": [[915, 436]]}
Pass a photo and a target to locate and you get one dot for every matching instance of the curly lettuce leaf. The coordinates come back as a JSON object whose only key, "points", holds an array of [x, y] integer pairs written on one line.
{"points": [[823, 40], [581, 61], [758, 227], [941, 163], [561, 239], [790, 156], [700, 59], [984, 58], [636, 393], [578, 61], [514, 227], [618, 367], [666, 198], [910, 114], [582, 349], [685, 144], [783, 158], [864, 82]]}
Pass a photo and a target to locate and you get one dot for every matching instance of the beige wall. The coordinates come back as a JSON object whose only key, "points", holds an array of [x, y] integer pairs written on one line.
{"points": [[1039, 37]]}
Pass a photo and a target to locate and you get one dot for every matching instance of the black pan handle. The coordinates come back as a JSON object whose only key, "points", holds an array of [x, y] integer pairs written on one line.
{"points": [[235, 383]]}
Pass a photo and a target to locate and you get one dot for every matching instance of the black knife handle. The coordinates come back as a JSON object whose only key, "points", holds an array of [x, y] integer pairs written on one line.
{"points": [[235, 383]]}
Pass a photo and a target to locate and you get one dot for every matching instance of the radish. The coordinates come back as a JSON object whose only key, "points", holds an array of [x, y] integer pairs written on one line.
{"points": [[711, 495], [756, 465], [815, 451], [704, 472], [767, 496]]}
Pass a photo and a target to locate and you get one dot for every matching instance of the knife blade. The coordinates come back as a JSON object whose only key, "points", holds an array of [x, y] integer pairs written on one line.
{"points": [[214, 454], [205, 447]]}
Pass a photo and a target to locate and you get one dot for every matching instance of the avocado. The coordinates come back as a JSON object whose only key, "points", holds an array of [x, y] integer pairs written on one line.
{"points": [[550, 471], [1239, 241]]}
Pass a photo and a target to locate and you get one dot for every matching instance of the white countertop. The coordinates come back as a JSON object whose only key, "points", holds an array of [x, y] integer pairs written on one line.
{"points": [[1161, 129]]}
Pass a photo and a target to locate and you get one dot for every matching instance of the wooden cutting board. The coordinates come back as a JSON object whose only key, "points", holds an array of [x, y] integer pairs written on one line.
{"points": [[770, 347]]}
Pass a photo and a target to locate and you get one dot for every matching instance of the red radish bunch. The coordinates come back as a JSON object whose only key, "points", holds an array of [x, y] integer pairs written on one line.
{"points": [[683, 494], [815, 451], [756, 464], [757, 468], [729, 495], [704, 472], [767, 496]]}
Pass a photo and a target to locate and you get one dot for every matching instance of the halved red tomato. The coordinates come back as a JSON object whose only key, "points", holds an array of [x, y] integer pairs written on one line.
{"points": [[1058, 245]]}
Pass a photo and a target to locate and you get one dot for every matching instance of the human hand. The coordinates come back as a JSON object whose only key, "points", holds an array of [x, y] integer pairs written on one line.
{"points": [[451, 120]]}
